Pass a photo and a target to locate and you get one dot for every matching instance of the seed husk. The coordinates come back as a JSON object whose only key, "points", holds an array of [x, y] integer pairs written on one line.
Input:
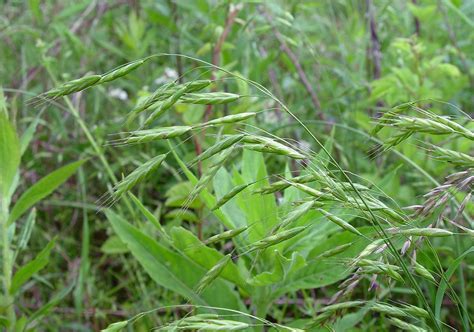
{"points": [[149, 135], [209, 98], [428, 232], [277, 238], [342, 305], [294, 215], [406, 326], [73, 86], [138, 175], [218, 147], [388, 309], [227, 119], [212, 274], [335, 251], [269, 145], [423, 272], [121, 71], [225, 235], [231, 194], [341, 223]]}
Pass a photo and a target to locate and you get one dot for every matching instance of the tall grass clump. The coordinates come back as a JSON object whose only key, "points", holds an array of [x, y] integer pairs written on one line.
{"points": [[326, 227]]}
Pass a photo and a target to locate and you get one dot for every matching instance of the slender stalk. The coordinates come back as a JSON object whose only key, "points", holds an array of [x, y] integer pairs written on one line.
{"points": [[7, 265]]}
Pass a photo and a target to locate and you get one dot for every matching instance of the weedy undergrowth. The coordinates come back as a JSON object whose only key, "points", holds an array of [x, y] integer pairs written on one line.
{"points": [[16, 229]]}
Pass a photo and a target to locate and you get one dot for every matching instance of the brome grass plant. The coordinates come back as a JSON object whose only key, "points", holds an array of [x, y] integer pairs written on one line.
{"points": [[309, 168], [272, 253]]}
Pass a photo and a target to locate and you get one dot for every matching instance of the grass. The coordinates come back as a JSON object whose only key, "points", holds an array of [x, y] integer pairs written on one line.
{"points": [[209, 197]]}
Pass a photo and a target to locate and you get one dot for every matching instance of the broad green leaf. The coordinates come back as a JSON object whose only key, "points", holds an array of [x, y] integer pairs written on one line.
{"points": [[321, 272], [32, 267], [113, 245], [283, 268], [260, 210], [43, 188], [170, 269], [205, 256], [9, 153]]}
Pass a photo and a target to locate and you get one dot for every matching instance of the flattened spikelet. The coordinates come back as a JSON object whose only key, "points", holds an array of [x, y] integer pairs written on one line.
{"points": [[212, 274], [342, 305], [227, 119], [335, 251], [294, 215], [73, 86], [231, 194], [165, 105], [138, 175], [266, 144], [388, 309], [341, 223], [405, 326], [423, 271], [225, 235], [277, 238], [121, 71], [428, 232], [218, 147], [209, 98], [149, 135]]}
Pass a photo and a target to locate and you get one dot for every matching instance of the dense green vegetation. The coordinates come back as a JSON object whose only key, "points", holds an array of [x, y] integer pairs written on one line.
{"points": [[217, 165]]}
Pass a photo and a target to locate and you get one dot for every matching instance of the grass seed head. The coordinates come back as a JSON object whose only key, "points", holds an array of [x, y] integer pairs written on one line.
{"points": [[209, 98], [231, 194], [150, 135], [138, 175], [73, 86], [121, 71], [225, 235], [212, 274], [221, 145], [341, 223], [278, 238]]}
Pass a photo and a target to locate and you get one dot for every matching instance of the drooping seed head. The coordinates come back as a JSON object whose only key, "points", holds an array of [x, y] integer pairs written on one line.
{"points": [[227, 142], [231, 194], [138, 175], [225, 235], [212, 274], [341, 223], [234, 118], [277, 238], [73, 86], [149, 135], [428, 232], [121, 71], [209, 98]]}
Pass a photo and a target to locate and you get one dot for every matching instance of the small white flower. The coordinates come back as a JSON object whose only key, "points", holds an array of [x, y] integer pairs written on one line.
{"points": [[169, 75], [118, 93], [304, 145]]}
